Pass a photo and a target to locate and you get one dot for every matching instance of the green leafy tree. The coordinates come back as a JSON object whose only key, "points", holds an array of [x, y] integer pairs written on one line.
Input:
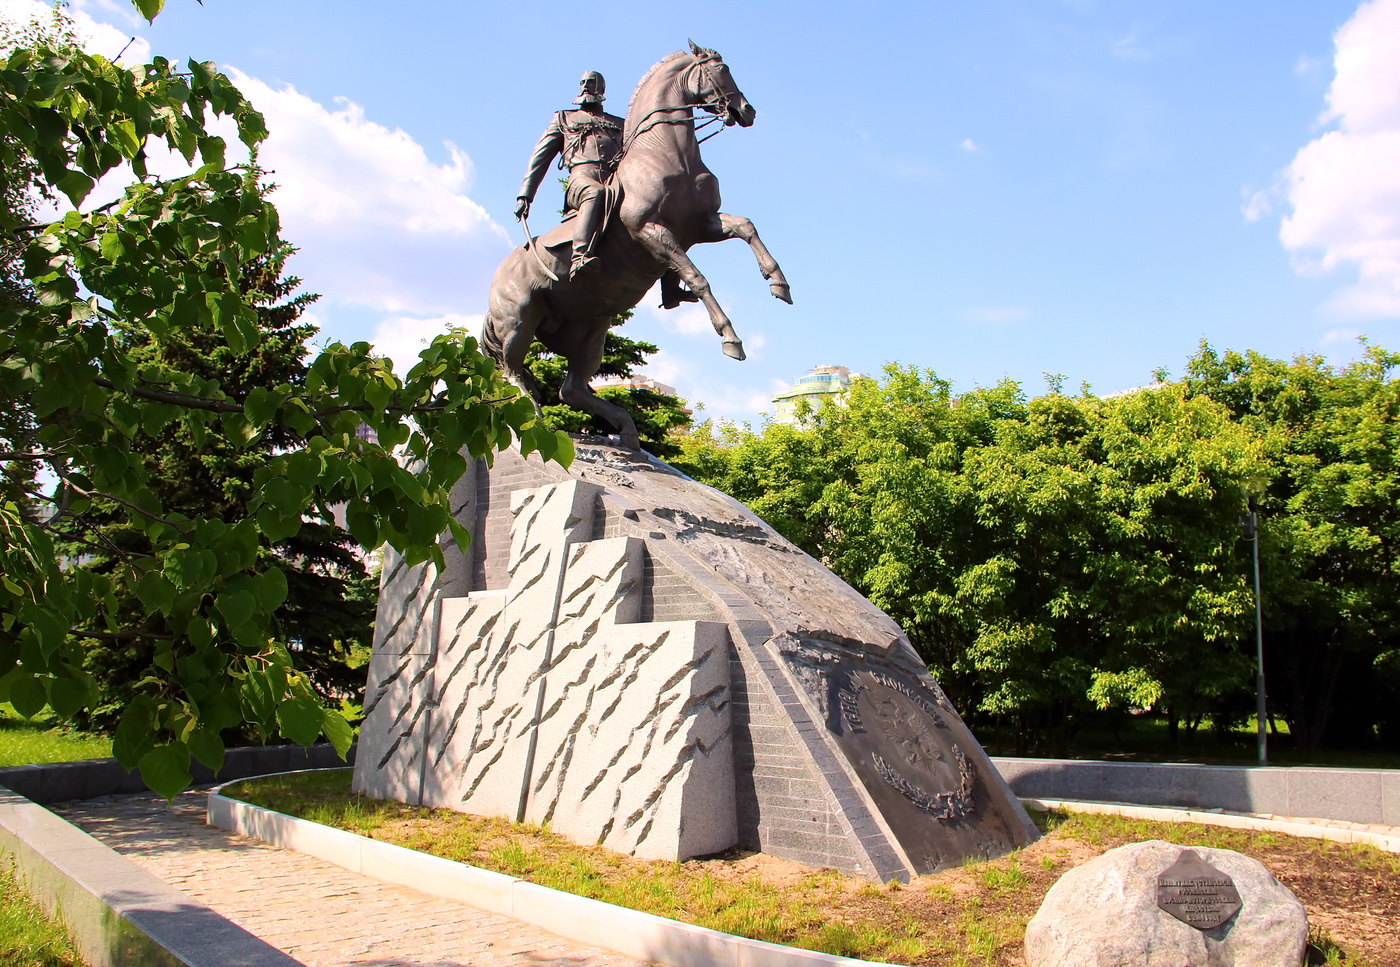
{"points": [[168, 259], [1048, 557], [1329, 508], [657, 415]]}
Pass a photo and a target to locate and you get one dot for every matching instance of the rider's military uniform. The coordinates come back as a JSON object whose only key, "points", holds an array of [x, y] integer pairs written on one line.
{"points": [[588, 144]]}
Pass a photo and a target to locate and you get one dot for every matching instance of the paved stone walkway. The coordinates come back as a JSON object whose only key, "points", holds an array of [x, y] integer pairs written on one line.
{"points": [[315, 911]]}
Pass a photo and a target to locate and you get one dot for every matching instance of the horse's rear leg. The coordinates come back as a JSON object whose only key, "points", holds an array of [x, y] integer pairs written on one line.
{"points": [[584, 355], [662, 244], [724, 226]]}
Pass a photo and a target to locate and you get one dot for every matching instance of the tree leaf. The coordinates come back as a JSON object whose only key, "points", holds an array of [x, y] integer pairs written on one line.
{"points": [[301, 718], [166, 769], [135, 733], [337, 731], [27, 694], [149, 8], [272, 589], [76, 186], [207, 747], [67, 695], [236, 606]]}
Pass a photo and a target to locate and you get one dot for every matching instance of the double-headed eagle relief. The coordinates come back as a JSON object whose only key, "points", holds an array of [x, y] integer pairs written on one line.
{"points": [[638, 197]]}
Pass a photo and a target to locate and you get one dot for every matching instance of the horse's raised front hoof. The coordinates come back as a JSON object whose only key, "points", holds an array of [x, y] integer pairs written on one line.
{"points": [[734, 349], [781, 291]]}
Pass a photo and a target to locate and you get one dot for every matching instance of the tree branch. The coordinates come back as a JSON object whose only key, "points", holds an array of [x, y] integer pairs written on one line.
{"points": [[182, 526], [118, 635], [174, 399]]}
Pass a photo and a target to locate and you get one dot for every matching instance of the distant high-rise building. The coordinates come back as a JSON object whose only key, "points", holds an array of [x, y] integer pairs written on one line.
{"points": [[818, 386]]}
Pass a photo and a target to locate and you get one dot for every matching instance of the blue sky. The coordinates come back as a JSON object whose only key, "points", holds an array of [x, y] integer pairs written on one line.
{"points": [[990, 190]]}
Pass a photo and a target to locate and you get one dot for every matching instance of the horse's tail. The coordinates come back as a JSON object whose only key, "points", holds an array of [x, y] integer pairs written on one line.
{"points": [[491, 342]]}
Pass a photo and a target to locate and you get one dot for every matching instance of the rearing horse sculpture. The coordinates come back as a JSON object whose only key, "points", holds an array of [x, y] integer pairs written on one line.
{"points": [[668, 201]]}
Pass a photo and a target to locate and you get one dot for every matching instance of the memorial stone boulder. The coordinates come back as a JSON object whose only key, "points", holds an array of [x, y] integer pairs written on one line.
{"points": [[1154, 904]]}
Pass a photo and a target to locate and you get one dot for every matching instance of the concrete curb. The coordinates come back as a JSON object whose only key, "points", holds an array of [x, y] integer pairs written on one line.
{"points": [[1335, 830], [1364, 796], [90, 778], [629, 932], [117, 913]]}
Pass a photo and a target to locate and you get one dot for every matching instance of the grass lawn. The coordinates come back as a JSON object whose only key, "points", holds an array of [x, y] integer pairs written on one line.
{"points": [[973, 916], [24, 742], [27, 937]]}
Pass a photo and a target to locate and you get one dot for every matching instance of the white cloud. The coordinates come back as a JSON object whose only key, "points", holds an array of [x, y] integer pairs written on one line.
{"points": [[1333, 336], [1257, 204], [968, 145], [690, 319], [1306, 65], [687, 319], [998, 314], [1344, 186], [96, 37], [719, 398], [379, 223], [402, 338]]}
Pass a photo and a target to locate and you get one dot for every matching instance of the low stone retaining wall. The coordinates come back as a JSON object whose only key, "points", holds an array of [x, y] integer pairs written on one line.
{"points": [[90, 778], [1368, 796]]}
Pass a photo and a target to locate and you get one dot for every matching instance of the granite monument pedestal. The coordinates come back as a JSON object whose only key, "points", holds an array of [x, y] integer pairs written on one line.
{"points": [[642, 663]]}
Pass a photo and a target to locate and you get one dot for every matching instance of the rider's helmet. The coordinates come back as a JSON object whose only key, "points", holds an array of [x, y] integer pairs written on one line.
{"points": [[590, 88]]}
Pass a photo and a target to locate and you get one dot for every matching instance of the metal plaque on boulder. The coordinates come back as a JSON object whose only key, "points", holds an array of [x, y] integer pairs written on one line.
{"points": [[1197, 893]]}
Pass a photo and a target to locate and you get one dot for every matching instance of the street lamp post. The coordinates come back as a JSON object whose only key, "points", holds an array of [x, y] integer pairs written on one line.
{"points": [[1249, 526]]}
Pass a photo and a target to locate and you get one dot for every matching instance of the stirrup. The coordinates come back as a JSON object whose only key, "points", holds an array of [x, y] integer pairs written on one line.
{"points": [[581, 265]]}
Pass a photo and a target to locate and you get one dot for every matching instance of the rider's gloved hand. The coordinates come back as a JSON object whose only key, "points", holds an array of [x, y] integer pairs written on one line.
{"points": [[522, 208]]}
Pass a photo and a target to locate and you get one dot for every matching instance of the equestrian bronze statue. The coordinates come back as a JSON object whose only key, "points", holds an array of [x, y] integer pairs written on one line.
{"points": [[635, 207]]}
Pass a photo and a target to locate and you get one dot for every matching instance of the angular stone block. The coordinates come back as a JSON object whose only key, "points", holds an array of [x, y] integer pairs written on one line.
{"points": [[636, 750], [392, 735]]}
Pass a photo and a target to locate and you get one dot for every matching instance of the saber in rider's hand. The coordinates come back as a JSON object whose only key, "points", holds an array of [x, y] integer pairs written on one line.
{"points": [[534, 250]]}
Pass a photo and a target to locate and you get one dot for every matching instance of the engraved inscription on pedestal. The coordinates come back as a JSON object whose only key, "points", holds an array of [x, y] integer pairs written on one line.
{"points": [[906, 741], [914, 757], [1197, 893]]}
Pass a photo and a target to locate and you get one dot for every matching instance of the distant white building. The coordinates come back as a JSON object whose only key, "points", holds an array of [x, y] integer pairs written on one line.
{"points": [[634, 382], [638, 382], [818, 386]]}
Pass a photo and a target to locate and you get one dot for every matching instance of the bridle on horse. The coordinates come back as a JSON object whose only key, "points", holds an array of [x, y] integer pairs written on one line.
{"points": [[719, 104]]}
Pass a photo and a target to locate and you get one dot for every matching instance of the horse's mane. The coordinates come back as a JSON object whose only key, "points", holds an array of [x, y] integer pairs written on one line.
{"points": [[630, 121]]}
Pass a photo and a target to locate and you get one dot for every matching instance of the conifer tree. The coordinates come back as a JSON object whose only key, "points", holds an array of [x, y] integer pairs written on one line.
{"points": [[327, 616], [656, 414]]}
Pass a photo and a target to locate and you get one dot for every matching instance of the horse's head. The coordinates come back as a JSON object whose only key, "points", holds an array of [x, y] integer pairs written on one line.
{"points": [[714, 90]]}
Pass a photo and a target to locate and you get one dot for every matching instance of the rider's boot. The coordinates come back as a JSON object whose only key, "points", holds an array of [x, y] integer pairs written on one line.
{"points": [[672, 292]]}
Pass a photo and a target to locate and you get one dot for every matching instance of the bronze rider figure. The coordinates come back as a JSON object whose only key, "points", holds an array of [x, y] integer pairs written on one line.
{"points": [[588, 142]]}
